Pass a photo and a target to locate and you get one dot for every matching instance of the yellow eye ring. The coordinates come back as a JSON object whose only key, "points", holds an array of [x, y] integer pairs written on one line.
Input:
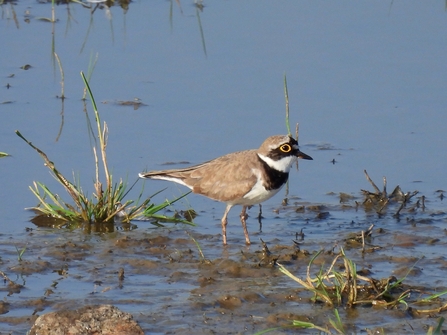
{"points": [[285, 148]]}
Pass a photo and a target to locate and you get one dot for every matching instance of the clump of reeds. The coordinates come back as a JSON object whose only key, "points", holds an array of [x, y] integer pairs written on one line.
{"points": [[107, 203]]}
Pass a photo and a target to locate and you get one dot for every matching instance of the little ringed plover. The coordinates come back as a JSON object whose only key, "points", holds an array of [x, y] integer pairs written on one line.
{"points": [[241, 178]]}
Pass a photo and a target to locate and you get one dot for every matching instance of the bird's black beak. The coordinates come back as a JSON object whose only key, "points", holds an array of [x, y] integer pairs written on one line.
{"points": [[302, 155]]}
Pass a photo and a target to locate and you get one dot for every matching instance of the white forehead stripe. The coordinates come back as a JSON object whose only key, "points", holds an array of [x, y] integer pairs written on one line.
{"points": [[283, 164]]}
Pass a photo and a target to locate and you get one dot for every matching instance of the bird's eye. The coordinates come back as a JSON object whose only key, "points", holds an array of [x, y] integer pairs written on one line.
{"points": [[285, 148]]}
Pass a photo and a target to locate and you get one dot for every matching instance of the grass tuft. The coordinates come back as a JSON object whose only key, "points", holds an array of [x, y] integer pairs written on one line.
{"points": [[107, 204], [341, 285]]}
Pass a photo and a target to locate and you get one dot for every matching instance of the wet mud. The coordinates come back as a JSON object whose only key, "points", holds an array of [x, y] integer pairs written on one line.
{"points": [[170, 286]]}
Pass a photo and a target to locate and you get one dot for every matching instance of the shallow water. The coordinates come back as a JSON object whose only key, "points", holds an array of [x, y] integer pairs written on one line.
{"points": [[170, 289], [366, 83]]}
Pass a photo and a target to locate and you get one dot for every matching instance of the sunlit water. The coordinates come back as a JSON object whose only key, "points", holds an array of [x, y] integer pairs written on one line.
{"points": [[366, 82]]}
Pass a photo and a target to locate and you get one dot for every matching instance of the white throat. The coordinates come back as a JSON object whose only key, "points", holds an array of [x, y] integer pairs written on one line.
{"points": [[284, 164]]}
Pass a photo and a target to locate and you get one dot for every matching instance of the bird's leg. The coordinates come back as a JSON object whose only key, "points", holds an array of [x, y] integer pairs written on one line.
{"points": [[244, 224], [224, 224]]}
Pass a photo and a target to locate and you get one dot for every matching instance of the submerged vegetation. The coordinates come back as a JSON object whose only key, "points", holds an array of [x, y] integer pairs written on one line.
{"points": [[108, 203]]}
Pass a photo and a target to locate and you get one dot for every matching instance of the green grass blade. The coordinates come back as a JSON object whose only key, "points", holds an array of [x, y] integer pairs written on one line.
{"points": [[337, 323], [438, 330], [156, 208], [92, 99], [303, 324], [286, 95], [46, 208], [434, 296]]}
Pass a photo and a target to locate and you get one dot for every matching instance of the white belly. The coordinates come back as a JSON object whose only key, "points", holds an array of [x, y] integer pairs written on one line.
{"points": [[257, 194]]}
